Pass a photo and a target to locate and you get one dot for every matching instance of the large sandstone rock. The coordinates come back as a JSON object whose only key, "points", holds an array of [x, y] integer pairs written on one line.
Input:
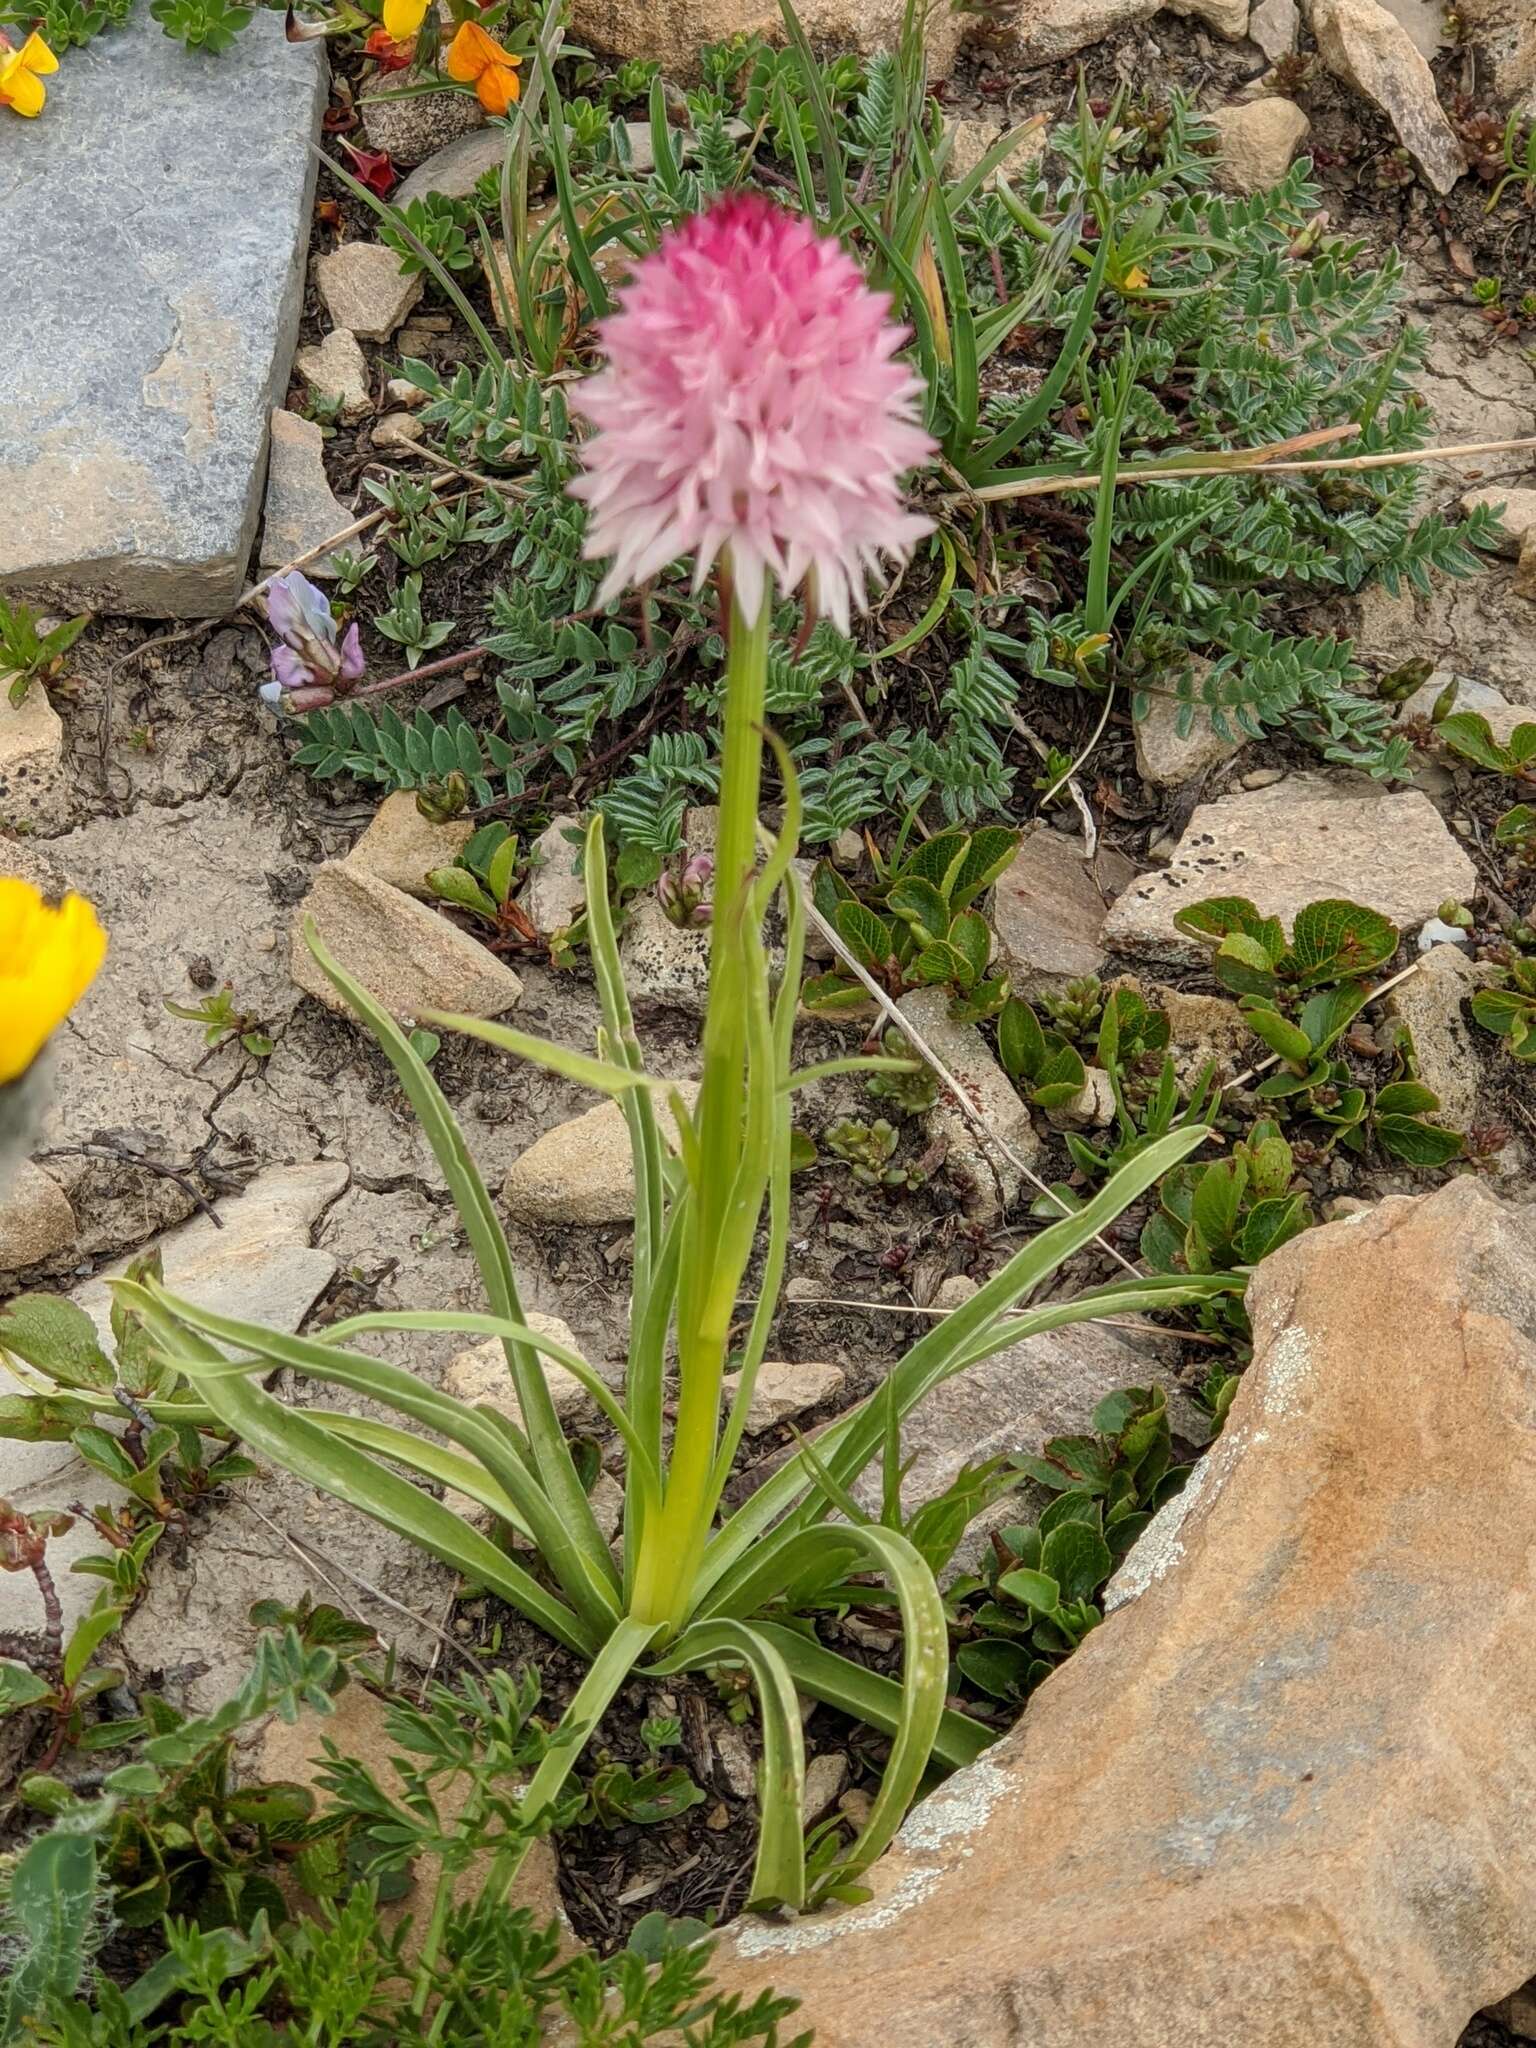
{"points": [[156, 225], [407, 956], [1369, 49], [1289, 845], [1284, 1795]]}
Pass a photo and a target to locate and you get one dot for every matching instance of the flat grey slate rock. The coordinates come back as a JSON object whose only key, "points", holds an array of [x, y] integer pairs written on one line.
{"points": [[157, 217]]}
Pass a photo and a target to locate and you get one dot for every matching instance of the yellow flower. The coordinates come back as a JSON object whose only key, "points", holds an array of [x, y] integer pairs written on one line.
{"points": [[403, 18], [21, 78], [48, 959], [476, 59]]}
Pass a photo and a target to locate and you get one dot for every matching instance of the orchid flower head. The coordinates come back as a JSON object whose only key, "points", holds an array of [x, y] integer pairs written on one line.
{"points": [[753, 401]]}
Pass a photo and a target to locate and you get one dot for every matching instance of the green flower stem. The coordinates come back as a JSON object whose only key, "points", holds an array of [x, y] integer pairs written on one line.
{"points": [[709, 1283]]}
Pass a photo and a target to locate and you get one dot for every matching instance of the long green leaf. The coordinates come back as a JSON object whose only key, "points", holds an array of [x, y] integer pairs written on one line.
{"points": [[310, 1452], [821, 1674], [778, 1876], [849, 1444], [821, 113], [592, 1593], [925, 1656], [579, 1067], [978, 467], [488, 1241]]}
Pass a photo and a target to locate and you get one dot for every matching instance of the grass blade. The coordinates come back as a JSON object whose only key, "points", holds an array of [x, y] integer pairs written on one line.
{"points": [[821, 1674]]}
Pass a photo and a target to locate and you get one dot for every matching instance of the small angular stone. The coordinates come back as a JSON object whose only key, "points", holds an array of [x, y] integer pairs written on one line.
{"points": [[825, 1777], [301, 508], [32, 781], [972, 138], [1293, 844], [363, 289], [337, 372], [1523, 582], [155, 223], [1228, 18], [987, 1180], [410, 129], [581, 1172], [1516, 505], [398, 432], [406, 956], [1487, 702], [1048, 909], [1446, 1048], [1044, 30], [401, 847], [1202, 1031], [1275, 25], [482, 1373], [781, 1391], [1165, 758], [1258, 142], [555, 894], [1362, 44], [36, 1221]]}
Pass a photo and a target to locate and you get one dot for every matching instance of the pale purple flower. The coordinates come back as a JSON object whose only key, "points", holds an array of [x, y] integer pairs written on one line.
{"points": [[682, 896], [752, 401], [312, 664]]}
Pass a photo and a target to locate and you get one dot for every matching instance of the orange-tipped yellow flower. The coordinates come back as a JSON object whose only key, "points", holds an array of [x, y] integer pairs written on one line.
{"points": [[48, 959], [476, 59], [22, 73]]}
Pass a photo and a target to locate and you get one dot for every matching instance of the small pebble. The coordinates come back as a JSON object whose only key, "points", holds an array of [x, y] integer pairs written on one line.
{"points": [[397, 430], [401, 391], [265, 942], [1263, 778]]}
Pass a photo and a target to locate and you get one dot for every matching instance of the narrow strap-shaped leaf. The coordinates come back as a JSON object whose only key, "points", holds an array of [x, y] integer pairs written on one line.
{"points": [[580, 1067], [778, 1876], [1038, 410], [550, 1453], [419, 1454], [821, 113], [639, 1109], [470, 1324], [867, 1696], [592, 1594], [925, 1658], [310, 1452], [607, 1672], [849, 1444]]}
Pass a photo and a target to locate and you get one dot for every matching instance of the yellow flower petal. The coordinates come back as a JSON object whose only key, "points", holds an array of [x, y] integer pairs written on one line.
{"points": [[36, 56], [402, 18], [21, 91], [48, 959]]}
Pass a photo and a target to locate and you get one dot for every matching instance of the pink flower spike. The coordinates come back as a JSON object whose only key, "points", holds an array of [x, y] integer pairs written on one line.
{"points": [[752, 400]]}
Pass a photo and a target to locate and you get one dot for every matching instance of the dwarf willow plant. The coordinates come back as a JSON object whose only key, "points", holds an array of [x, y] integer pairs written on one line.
{"points": [[750, 294]]}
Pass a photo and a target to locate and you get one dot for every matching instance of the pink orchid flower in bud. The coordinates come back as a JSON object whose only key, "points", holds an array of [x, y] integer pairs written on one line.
{"points": [[312, 664], [752, 402]]}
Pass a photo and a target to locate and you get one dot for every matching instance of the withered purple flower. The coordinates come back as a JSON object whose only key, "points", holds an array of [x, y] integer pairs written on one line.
{"points": [[312, 664]]}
